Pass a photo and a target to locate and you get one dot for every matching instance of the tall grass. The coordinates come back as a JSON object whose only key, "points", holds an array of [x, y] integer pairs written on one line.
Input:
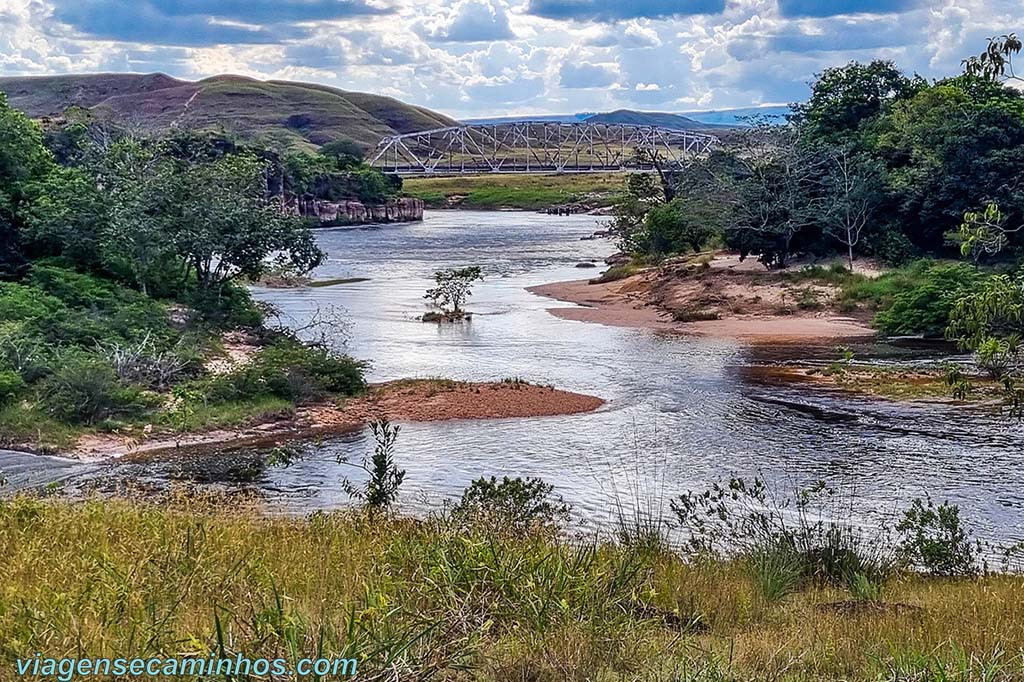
{"points": [[427, 599]]}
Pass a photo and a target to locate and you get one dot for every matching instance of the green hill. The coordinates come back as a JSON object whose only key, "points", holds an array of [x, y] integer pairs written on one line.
{"points": [[651, 118], [280, 112]]}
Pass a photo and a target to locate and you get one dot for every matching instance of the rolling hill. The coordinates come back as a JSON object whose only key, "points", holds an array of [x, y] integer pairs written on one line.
{"points": [[650, 118], [280, 112]]}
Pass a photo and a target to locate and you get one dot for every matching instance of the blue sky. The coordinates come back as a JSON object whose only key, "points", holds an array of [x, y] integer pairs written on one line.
{"points": [[507, 57]]}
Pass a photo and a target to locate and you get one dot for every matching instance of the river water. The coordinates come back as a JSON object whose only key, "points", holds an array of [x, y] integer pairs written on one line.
{"points": [[682, 412]]}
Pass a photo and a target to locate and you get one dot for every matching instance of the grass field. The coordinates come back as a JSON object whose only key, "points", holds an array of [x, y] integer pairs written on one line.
{"points": [[528, 192], [417, 600]]}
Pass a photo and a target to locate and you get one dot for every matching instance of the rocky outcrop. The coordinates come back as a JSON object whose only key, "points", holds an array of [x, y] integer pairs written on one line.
{"points": [[400, 210]]}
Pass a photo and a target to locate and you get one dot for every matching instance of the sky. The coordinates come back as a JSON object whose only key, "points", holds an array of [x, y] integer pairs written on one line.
{"points": [[473, 58]]}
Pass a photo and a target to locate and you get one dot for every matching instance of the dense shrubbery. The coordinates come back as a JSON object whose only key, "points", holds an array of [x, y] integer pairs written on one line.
{"points": [[120, 269], [873, 163], [290, 370]]}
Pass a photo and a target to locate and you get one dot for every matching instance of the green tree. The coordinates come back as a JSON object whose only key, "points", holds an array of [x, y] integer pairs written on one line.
{"points": [[23, 161], [453, 287], [223, 226], [66, 217], [136, 236], [346, 152], [678, 226], [844, 97], [642, 193]]}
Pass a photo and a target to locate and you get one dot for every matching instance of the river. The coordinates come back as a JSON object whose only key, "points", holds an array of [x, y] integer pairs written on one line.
{"points": [[682, 412]]}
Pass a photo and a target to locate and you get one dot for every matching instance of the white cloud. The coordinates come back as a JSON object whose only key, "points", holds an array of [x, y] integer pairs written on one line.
{"points": [[491, 57], [468, 21]]}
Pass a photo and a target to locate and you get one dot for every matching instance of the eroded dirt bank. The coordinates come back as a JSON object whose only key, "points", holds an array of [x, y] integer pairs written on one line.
{"points": [[722, 298], [404, 400]]}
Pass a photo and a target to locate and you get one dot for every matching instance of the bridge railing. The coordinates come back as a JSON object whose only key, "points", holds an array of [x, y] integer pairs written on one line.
{"points": [[535, 147]]}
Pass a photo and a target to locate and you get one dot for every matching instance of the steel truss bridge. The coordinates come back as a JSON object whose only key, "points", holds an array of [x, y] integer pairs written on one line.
{"points": [[537, 147]]}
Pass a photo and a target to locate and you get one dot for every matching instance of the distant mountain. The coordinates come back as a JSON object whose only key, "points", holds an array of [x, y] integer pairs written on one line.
{"points": [[546, 118], [687, 120], [736, 117], [282, 112], [649, 118]]}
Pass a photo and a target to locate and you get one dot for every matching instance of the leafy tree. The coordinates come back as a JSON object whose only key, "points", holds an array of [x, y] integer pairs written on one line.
{"points": [[222, 225], [453, 287], [678, 226], [843, 98], [642, 193], [66, 217], [346, 152], [23, 160], [136, 234]]}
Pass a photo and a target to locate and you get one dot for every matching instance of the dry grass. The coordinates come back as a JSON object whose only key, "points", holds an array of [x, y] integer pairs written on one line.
{"points": [[426, 599]]}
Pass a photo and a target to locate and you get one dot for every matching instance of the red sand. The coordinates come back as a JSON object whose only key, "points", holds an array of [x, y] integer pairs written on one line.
{"points": [[412, 400]]}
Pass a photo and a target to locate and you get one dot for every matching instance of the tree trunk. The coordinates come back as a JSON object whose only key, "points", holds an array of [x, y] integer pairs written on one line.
{"points": [[850, 246]]}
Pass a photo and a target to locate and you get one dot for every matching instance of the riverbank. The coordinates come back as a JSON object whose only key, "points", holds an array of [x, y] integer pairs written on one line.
{"points": [[720, 297], [525, 192], [433, 599], [416, 400]]}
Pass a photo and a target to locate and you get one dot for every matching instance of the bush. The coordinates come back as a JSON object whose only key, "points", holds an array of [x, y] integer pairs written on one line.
{"points": [[924, 307], [11, 386], [291, 371], [516, 505], [84, 389], [774, 531], [934, 540], [230, 308], [19, 302]]}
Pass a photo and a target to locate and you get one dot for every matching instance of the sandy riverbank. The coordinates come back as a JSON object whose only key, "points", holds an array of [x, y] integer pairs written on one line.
{"points": [[725, 299], [413, 400]]}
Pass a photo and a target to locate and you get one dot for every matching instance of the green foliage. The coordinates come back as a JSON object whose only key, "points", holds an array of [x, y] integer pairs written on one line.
{"points": [[782, 535], [933, 539], [65, 217], [515, 505], [924, 306], [85, 389], [384, 479], [453, 287], [843, 98], [290, 370], [992, 310], [679, 226], [23, 161], [338, 176], [11, 386], [347, 152]]}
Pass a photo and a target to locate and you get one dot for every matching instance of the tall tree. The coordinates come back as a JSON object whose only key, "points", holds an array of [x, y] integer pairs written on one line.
{"points": [[844, 97], [223, 225], [23, 160], [853, 190]]}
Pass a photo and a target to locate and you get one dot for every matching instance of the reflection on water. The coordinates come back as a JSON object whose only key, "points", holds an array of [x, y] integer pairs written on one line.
{"points": [[681, 411]]}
